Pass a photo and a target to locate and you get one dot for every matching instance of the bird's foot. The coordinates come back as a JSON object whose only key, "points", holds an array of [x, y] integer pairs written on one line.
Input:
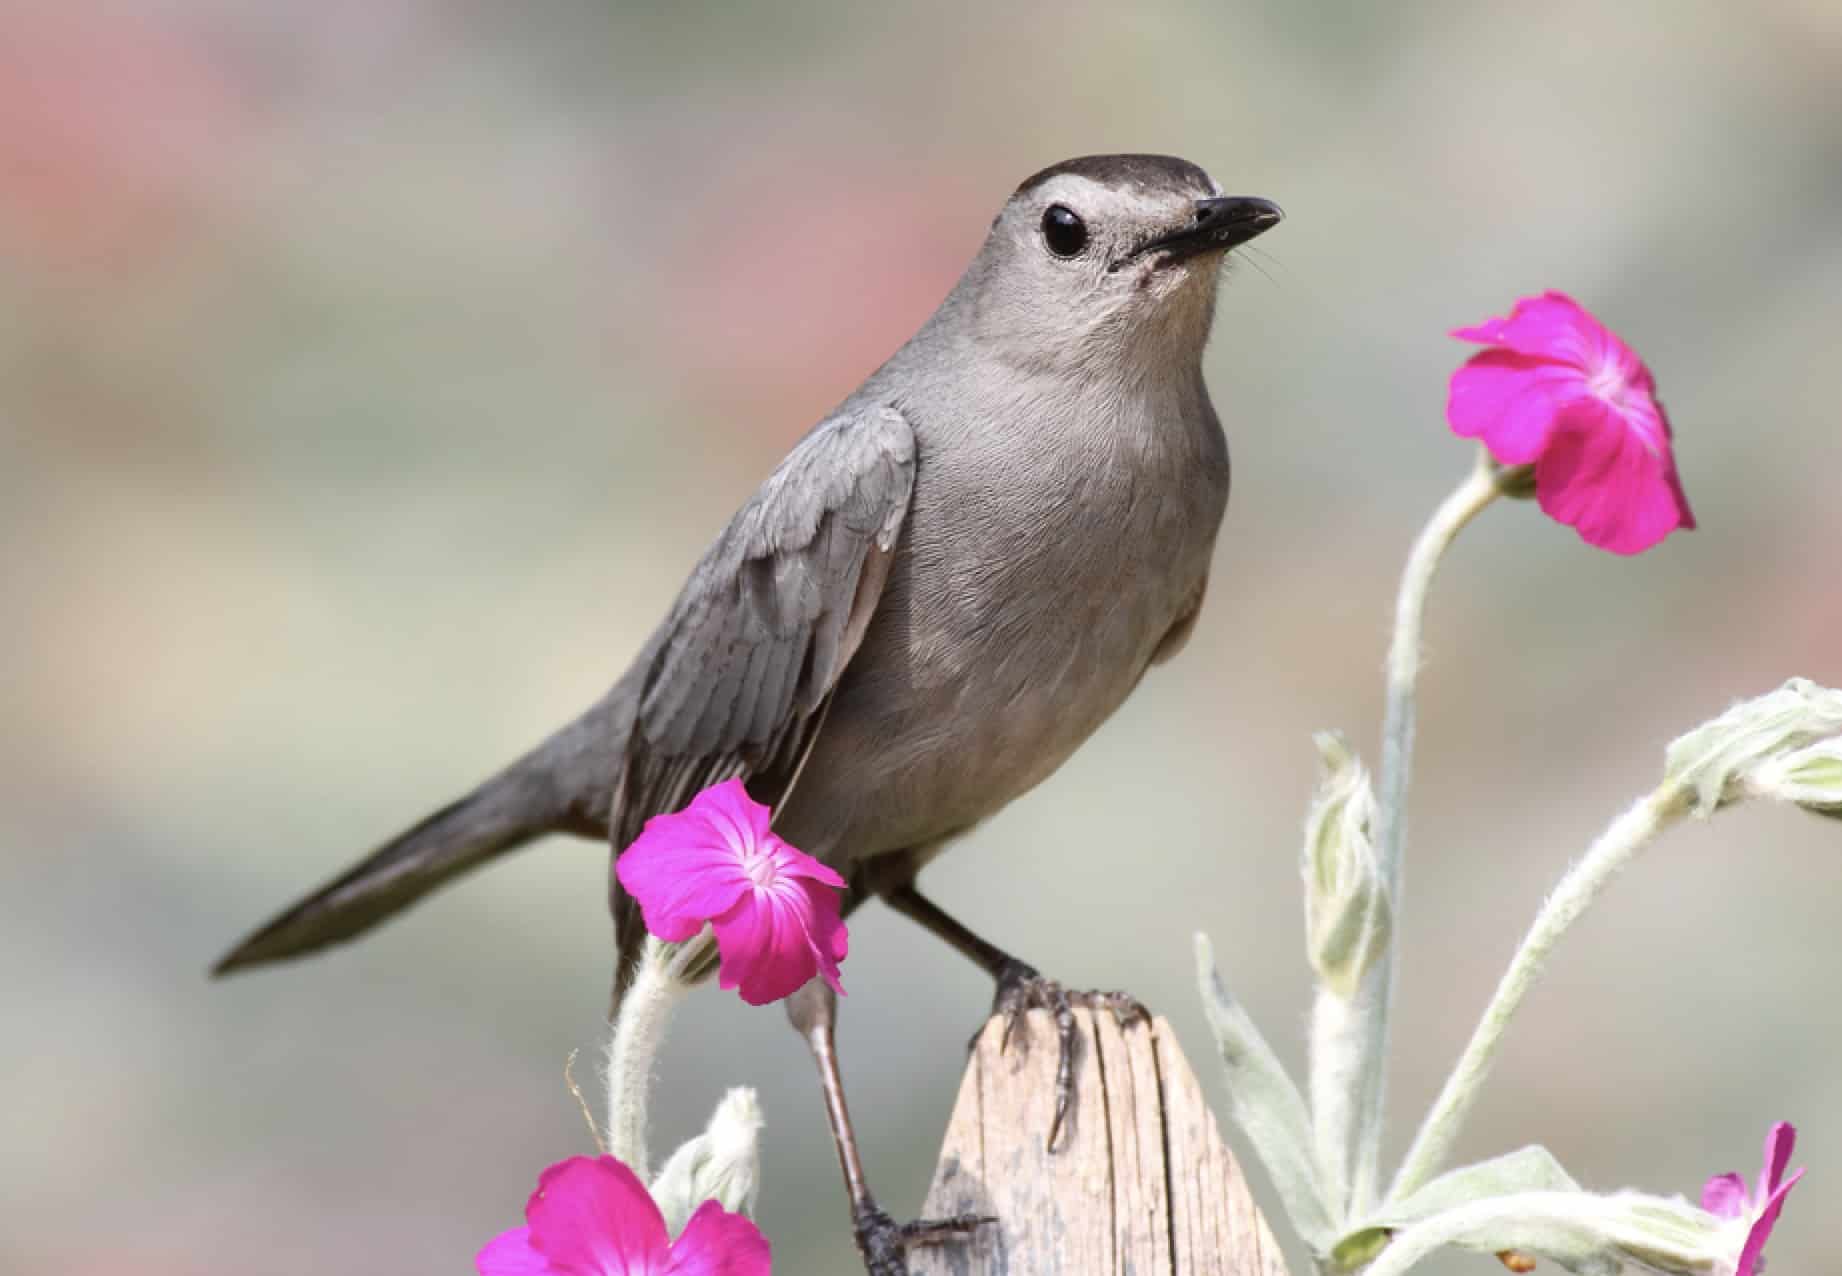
{"points": [[1022, 988], [885, 1243]]}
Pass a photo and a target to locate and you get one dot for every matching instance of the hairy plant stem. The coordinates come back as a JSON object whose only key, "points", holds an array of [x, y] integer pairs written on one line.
{"points": [[1614, 849], [639, 1031], [1360, 1138], [1335, 1086]]}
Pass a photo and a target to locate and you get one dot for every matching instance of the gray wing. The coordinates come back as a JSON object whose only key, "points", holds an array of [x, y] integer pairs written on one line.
{"points": [[742, 669]]}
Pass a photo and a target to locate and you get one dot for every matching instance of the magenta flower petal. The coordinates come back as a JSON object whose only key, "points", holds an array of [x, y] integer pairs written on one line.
{"points": [[822, 940], [801, 865], [1769, 1199], [1559, 390], [1488, 333], [1724, 1196], [764, 949], [717, 1243], [680, 883], [1780, 1140], [776, 910], [1751, 1256], [686, 868], [826, 926], [1552, 326], [727, 806], [772, 947], [1600, 479], [595, 1218], [510, 1254], [1510, 401]]}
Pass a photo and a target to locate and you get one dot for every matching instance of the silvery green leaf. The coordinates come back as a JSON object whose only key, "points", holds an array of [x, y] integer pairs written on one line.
{"points": [[1529, 1169], [1585, 1233], [1267, 1106], [1577, 1247]]}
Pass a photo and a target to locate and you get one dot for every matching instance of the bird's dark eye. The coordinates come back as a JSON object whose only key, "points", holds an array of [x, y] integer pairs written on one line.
{"points": [[1064, 231]]}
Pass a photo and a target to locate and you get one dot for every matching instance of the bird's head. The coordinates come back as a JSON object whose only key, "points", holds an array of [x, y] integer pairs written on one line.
{"points": [[1108, 259]]}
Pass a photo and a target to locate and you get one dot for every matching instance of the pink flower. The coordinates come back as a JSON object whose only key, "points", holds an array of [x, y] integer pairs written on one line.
{"points": [[594, 1218], [1559, 391], [775, 909], [1725, 1196]]}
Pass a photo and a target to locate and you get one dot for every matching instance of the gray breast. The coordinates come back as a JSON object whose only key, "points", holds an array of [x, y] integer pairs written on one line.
{"points": [[1031, 588]]}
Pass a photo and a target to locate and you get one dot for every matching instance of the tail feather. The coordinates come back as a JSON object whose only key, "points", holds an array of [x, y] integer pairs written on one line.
{"points": [[560, 787]]}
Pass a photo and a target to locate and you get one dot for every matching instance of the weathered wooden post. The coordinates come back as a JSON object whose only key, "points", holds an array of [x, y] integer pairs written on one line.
{"points": [[1143, 1185]]}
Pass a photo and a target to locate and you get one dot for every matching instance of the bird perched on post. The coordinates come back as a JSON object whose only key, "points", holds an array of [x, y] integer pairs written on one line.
{"points": [[944, 588]]}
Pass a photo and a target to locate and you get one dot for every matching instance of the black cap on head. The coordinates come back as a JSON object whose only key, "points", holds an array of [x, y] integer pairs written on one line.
{"points": [[1149, 172]]}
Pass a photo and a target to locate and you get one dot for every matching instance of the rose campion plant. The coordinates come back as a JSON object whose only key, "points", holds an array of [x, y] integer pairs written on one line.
{"points": [[775, 909], [595, 1218], [1726, 1196], [1558, 390], [1556, 398]]}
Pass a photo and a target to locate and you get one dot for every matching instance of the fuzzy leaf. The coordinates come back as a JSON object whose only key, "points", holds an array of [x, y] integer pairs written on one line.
{"points": [[1584, 1233], [1267, 1106], [1529, 1169]]}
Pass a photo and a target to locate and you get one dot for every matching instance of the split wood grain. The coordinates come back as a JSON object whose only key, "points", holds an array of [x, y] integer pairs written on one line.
{"points": [[1142, 1186]]}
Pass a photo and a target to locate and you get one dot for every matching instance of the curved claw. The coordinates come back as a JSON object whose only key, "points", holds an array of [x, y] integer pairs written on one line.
{"points": [[1021, 989], [1127, 1009], [885, 1243]]}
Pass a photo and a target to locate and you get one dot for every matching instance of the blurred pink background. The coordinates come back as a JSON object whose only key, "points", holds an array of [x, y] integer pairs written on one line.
{"points": [[371, 373]]}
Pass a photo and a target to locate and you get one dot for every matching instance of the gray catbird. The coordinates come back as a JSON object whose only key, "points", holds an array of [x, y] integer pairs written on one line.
{"points": [[943, 590]]}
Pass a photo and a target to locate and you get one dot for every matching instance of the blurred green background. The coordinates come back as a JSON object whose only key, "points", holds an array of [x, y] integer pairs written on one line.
{"points": [[371, 372]]}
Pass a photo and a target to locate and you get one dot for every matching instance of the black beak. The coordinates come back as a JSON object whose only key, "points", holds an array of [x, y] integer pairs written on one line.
{"points": [[1220, 224]]}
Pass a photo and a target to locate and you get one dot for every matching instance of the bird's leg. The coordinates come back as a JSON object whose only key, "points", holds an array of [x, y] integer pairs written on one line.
{"points": [[883, 1242], [1021, 989]]}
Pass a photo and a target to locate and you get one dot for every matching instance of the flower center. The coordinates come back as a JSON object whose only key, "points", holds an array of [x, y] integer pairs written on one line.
{"points": [[1608, 383], [759, 867]]}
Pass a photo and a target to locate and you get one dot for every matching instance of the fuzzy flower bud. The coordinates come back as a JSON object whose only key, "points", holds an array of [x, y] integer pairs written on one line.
{"points": [[1810, 777], [1723, 760], [723, 1164], [1348, 919]]}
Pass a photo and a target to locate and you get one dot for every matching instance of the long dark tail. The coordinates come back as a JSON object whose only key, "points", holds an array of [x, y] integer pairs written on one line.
{"points": [[561, 786]]}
